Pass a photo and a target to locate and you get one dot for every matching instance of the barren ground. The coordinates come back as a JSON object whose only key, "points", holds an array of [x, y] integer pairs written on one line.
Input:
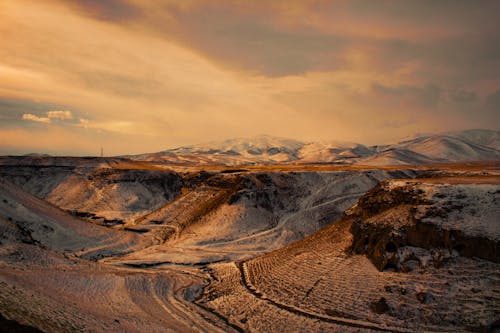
{"points": [[114, 245]]}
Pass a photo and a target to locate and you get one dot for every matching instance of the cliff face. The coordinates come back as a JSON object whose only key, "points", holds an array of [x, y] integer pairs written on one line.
{"points": [[99, 194], [402, 224], [222, 211]]}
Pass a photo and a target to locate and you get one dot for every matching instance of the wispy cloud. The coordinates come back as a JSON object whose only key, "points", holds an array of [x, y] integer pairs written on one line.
{"points": [[32, 117], [57, 115], [62, 115]]}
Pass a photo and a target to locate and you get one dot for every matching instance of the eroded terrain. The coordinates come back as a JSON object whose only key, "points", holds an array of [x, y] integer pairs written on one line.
{"points": [[115, 245]]}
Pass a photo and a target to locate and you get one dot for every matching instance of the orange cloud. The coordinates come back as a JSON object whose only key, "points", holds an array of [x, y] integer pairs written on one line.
{"points": [[62, 115], [32, 117], [148, 75]]}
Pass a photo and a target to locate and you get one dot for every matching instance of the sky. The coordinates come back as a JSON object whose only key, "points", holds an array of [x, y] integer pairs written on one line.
{"points": [[136, 76]]}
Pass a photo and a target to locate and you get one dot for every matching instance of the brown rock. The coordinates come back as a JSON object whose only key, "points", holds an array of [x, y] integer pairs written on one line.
{"points": [[380, 306]]}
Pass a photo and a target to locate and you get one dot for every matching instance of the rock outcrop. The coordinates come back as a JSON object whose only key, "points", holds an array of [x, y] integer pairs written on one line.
{"points": [[402, 224]]}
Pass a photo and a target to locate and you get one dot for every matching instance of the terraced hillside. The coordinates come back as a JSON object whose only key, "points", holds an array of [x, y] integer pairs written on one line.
{"points": [[430, 284]]}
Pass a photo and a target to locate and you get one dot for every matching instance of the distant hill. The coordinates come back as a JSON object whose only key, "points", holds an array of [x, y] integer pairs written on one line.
{"points": [[458, 146], [482, 137]]}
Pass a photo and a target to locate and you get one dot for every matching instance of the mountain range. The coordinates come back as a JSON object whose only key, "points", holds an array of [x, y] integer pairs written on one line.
{"points": [[457, 146]]}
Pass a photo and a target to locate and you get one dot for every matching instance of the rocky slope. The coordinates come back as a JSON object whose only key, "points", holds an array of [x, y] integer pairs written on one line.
{"points": [[213, 215], [115, 245], [395, 217], [232, 216], [109, 195], [50, 278], [376, 269]]}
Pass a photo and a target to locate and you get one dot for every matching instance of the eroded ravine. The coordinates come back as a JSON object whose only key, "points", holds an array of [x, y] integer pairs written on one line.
{"points": [[431, 286], [156, 280]]}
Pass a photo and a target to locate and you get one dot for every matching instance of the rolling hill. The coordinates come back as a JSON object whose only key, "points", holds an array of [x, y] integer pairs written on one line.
{"points": [[459, 146]]}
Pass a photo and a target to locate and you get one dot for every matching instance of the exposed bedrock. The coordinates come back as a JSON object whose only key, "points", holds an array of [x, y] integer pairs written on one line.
{"points": [[104, 193], [399, 227]]}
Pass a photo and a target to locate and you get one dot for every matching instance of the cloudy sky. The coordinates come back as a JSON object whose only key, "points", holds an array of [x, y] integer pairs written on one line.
{"points": [[141, 76]]}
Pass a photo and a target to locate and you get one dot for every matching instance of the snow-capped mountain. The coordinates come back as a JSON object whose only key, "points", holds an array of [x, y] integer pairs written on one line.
{"points": [[458, 146], [262, 144], [481, 137], [238, 151], [328, 152]]}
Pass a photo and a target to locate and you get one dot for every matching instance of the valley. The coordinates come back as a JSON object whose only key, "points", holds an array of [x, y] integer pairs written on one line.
{"points": [[113, 244], [299, 166]]}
